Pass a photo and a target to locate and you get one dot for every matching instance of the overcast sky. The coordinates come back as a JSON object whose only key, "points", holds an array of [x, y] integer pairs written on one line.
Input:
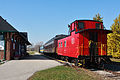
{"points": [[43, 19]]}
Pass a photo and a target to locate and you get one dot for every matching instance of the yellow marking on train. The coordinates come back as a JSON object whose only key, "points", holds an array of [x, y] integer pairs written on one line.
{"points": [[61, 61], [79, 64], [101, 49], [41, 50]]}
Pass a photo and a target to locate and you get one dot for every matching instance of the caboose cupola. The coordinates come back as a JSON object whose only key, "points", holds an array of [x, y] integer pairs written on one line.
{"points": [[79, 25]]}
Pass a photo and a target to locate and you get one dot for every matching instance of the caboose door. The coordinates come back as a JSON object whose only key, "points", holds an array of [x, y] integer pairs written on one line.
{"points": [[93, 37]]}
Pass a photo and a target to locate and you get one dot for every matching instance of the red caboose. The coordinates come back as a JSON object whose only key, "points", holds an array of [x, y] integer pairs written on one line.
{"points": [[87, 40]]}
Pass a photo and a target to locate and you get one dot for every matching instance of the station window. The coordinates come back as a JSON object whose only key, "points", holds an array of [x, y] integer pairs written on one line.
{"points": [[65, 43], [1, 36], [61, 44], [80, 25], [12, 38], [98, 26], [13, 45]]}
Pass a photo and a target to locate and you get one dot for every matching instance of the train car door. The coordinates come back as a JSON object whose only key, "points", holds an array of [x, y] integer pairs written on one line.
{"points": [[93, 37]]}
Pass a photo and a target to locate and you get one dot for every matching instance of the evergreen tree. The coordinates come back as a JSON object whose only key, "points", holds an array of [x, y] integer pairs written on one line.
{"points": [[114, 38], [116, 25], [98, 18]]}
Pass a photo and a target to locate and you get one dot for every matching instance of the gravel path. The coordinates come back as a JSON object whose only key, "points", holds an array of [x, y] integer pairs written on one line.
{"points": [[23, 69], [110, 71]]}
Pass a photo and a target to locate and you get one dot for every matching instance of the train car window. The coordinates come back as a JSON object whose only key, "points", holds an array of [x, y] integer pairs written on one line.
{"points": [[65, 43], [80, 25], [98, 26], [69, 31], [61, 44]]}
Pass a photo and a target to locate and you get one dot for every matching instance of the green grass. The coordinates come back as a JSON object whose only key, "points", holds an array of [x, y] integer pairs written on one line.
{"points": [[62, 73], [31, 52]]}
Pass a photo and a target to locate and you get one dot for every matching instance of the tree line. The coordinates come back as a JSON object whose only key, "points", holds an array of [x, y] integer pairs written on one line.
{"points": [[35, 47]]}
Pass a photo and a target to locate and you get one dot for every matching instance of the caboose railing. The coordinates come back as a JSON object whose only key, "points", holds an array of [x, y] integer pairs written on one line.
{"points": [[99, 48], [102, 48]]}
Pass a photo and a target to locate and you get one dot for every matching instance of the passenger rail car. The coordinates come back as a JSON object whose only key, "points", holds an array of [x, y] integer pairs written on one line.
{"points": [[50, 47], [87, 41]]}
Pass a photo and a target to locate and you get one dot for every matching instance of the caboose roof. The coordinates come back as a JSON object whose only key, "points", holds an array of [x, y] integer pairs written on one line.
{"points": [[87, 20]]}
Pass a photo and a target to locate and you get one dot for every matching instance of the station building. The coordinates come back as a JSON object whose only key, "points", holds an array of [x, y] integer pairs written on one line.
{"points": [[12, 42]]}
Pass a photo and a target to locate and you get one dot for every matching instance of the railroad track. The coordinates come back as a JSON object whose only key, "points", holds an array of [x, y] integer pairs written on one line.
{"points": [[113, 73]]}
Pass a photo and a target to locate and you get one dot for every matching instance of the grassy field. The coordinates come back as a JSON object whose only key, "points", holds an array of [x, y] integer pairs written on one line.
{"points": [[31, 52], [62, 73]]}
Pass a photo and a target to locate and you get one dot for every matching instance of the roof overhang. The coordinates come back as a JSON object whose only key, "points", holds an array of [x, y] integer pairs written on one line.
{"points": [[95, 30], [25, 38]]}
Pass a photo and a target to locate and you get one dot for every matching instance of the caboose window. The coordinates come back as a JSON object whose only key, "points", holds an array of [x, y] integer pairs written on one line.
{"points": [[61, 44], [65, 43], [80, 25], [98, 25]]}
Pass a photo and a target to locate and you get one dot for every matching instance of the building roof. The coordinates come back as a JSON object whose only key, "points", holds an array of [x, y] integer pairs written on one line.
{"points": [[5, 26], [24, 34], [25, 37]]}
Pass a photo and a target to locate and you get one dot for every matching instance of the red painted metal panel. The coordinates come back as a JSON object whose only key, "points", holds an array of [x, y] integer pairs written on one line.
{"points": [[86, 44], [104, 43], [102, 46]]}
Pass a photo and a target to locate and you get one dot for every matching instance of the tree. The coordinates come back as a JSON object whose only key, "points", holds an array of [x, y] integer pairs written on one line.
{"points": [[30, 47], [98, 18], [37, 46], [114, 38], [116, 25]]}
